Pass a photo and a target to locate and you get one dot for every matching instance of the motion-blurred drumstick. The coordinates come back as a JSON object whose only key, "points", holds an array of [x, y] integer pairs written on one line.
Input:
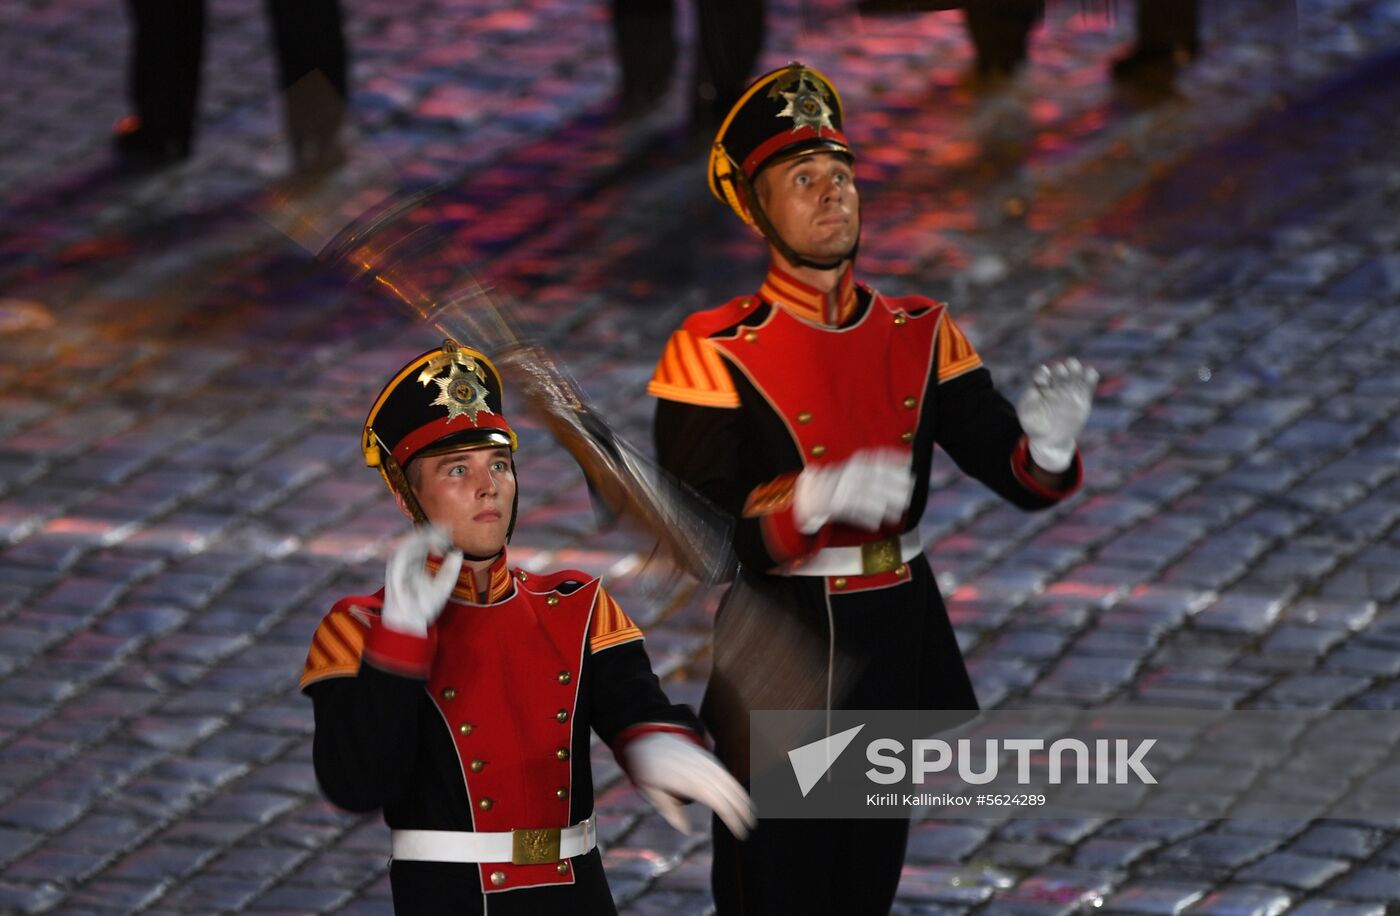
{"points": [[392, 241]]}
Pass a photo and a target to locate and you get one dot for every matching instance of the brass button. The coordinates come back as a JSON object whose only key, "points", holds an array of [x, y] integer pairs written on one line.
{"points": [[748, 304], [804, 417], [478, 765], [485, 804], [449, 693], [818, 451], [840, 582], [498, 878], [565, 677], [901, 318], [562, 868], [910, 403], [562, 753], [561, 716], [902, 571], [906, 437], [561, 792], [552, 600], [522, 575], [750, 336], [466, 728]]}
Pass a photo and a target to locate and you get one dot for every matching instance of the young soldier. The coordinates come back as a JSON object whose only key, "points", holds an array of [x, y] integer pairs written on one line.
{"points": [[459, 698], [809, 411]]}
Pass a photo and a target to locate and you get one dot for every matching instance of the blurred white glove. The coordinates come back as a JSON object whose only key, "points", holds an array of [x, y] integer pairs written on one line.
{"points": [[869, 489], [1053, 411], [668, 770], [413, 598]]}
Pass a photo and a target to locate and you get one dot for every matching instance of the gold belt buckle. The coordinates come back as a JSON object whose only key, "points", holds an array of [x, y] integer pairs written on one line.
{"points": [[880, 556], [534, 845]]}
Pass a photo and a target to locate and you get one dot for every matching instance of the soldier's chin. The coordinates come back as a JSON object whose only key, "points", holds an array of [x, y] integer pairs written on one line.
{"points": [[827, 252], [483, 545], [830, 249]]}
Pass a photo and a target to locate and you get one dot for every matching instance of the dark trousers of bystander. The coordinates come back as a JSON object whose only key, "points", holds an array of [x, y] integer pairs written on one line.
{"points": [[731, 36], [813, 867], [167, 51], [1167, 36]]}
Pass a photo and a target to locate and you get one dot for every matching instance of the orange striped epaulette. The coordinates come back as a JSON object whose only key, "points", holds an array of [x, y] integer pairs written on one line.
{"points": [[339, 641], [611, 626], [690, 369], [956, 355]]}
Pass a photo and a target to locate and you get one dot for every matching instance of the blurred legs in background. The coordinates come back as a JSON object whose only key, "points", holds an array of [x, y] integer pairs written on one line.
{"points": [[731, 36], [167, 50], [1168, 38], [1000, 31]]}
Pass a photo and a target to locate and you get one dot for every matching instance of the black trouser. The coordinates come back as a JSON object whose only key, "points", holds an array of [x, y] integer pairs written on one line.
{"points": [[731, 36], [1000, 31], [1000, 28], [167, 50], [1168, 25], [812, 867], [439, 889]]}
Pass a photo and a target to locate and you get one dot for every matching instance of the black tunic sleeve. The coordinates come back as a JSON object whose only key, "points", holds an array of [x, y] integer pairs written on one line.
{"points": [[978, 429], [366, 736], [701, 446], [626, 693]]}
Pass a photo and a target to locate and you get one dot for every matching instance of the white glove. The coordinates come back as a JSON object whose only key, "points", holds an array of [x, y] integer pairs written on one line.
{"points": [[869, 489], [668, 770], [412, 597], [1053, 411]]}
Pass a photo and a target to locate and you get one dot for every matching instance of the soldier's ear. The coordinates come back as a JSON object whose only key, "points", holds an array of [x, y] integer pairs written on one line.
{"points": [[403, 505]]}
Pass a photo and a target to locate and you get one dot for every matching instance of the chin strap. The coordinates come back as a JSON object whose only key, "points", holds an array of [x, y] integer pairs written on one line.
{"points": [[398, 482], [739, 191], [514, 501]]}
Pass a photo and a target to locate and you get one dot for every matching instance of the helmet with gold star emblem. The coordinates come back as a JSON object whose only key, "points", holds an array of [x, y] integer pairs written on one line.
{"points": [[789, 112], [445, 400]]}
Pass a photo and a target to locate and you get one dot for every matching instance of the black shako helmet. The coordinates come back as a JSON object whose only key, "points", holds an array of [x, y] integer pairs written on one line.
{"points": [[786, 113]]}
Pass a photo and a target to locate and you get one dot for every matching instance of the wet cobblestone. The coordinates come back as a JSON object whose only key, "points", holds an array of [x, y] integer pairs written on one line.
{"points": [[181, 495]]}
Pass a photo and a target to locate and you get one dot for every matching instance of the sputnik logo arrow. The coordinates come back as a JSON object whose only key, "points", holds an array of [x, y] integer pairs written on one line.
{"points": [[811, 761]]}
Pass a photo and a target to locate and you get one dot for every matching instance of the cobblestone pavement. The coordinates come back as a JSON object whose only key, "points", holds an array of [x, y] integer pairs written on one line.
{"points": [[181, 495]]}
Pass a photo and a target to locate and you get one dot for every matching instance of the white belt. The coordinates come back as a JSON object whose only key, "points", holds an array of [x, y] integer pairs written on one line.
{"points": [[860, 560], [519, 847]]}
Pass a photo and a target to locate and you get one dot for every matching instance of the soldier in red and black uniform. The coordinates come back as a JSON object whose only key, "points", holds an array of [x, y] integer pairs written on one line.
{"points": [[460, 697], [809, 410]]}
